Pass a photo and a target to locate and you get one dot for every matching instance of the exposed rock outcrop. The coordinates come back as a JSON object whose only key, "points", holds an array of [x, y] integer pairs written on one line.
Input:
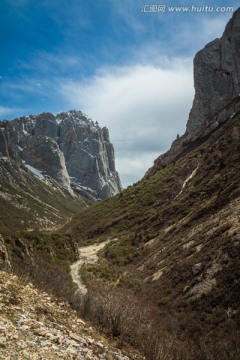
{"points": [[35, 325], [217, 81], [4, 260], [68, 147], [217, 91]]}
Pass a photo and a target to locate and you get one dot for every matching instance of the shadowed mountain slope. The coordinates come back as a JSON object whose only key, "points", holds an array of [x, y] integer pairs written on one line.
{"points": [[178, 229], [178, 232]]}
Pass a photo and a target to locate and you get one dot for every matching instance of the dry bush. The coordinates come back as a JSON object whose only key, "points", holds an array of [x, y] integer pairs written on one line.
{"points": [[51, 278], [132, 321], [129, 319]]}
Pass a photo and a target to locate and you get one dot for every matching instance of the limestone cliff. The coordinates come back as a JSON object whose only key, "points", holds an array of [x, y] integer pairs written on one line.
{"points": [[217, 81], [68, 147], [217, 91]]}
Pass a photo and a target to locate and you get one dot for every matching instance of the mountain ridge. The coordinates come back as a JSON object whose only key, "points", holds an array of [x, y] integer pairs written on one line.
{"points": [[52, 166], [69, 147], [170, 267], [178, 228]]}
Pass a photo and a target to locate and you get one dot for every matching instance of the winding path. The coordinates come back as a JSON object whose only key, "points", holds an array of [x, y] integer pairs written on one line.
{"points": [[88, 255]]}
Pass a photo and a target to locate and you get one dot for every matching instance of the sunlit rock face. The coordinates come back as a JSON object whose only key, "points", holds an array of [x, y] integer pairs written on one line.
{"points": [[68, 147]]}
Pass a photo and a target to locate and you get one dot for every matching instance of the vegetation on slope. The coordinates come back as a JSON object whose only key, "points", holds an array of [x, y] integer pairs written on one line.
{"points": [[178, 241], [134, 209], [28, 202], [161, 201], [174, 253]]}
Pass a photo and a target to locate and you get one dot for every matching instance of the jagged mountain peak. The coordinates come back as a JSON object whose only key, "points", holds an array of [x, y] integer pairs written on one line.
{"points": [[69, 147], [176, 233], [76, 116]]}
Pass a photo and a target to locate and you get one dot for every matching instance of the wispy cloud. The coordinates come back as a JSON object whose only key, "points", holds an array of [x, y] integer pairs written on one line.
{"points": [[129, 71], [211, 28], [46, 64], [139, 162], [5, 111], [128, 12], [143, 106]]}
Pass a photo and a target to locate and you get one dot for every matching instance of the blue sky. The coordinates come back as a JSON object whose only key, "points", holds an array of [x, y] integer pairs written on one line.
{"points": [[128, 70]]}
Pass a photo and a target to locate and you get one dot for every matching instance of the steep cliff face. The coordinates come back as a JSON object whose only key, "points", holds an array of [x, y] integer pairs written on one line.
{"points": [[217, 92], [217, 81], [68, 147]]}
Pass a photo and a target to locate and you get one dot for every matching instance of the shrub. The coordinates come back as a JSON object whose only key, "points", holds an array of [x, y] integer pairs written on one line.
{"points": [[122, 252]]}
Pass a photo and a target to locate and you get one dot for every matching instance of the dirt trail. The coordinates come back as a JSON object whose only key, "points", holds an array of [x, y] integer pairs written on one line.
{"points": [[87, 255]]}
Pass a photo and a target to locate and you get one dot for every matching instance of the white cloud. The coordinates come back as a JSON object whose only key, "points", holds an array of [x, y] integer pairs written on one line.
{"points": [[144, 107], [213, 28], [5, 110], [139, 163], [144, 103], [42, 62], [128, 12], [194, 35]]}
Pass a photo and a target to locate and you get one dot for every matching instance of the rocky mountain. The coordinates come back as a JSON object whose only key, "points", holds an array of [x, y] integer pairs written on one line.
{"points": [[161, 269], [216, 80], [217, 91], [28, 201], [68, 148], [175, 246], [176, 233]]}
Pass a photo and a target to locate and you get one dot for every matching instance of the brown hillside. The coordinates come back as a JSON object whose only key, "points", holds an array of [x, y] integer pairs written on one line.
{"points": [[178, 245]]}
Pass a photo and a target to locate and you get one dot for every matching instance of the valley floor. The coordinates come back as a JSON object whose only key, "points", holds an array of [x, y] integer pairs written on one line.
{"points": [[87, 255]]}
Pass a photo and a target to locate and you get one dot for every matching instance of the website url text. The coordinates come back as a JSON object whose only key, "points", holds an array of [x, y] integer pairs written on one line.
{"points": [[154, 8]]}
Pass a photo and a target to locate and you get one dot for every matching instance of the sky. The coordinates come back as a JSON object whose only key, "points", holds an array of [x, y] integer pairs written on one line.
{"points": [[118, 61]]}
